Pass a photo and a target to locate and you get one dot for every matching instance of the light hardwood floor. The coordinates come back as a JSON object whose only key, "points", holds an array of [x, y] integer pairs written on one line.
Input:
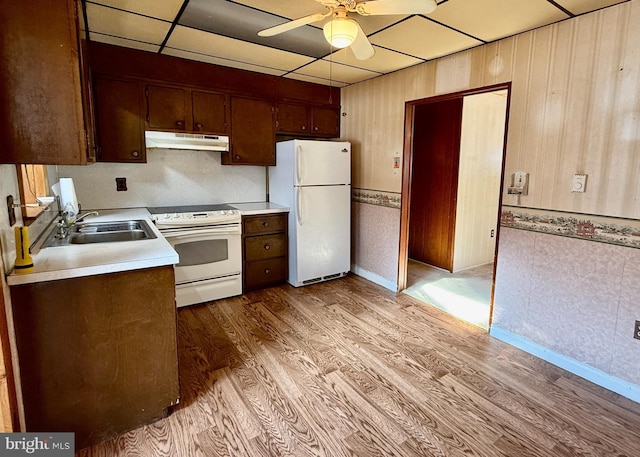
{"points": [[347, 368]]}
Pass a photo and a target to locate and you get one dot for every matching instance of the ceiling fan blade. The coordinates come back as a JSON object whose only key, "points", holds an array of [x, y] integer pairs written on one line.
{"points": [[271, 31], [361, 46], [380, 7]]}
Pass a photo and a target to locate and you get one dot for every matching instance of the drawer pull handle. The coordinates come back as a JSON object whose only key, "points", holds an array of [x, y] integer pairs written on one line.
{"points": [[267, 271], [135, 154], [265, 224], [267, 247]]}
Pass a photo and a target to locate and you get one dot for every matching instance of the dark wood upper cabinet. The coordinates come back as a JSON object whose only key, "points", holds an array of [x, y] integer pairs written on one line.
{"points": [[166, 108], [41, 107], [325, 121], [210, 112], [119, 120], [293, 119], [180, 95], [183, 109], [252, 133], [307, 120]]}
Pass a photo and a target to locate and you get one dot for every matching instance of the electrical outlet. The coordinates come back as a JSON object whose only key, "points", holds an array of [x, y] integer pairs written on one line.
{"points": [[636, 331], [121, 184]]}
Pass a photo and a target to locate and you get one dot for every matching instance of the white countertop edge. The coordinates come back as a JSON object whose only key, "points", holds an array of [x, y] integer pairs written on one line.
{"points": [[86, 260], [255, 208], [29, 278]]}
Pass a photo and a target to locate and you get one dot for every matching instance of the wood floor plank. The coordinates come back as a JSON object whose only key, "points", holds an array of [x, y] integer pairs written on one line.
{"points": [[347, 368]]}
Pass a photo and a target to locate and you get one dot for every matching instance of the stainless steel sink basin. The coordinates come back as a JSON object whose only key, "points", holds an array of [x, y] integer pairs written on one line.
{"points": [[102, 232]]}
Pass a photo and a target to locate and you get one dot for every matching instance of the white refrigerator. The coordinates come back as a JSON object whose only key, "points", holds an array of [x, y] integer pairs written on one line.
{"points": [[313, 178]]}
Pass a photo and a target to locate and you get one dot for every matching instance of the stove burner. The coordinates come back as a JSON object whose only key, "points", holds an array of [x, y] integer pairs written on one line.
{"points": [[188, 208]]}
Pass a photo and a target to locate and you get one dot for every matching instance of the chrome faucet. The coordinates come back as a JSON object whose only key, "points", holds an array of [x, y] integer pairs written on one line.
{"points": [[82, 216], [64, 226]]}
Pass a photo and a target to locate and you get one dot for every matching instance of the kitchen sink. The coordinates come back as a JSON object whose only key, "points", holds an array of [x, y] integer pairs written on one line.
{"points": [[101, 232]]}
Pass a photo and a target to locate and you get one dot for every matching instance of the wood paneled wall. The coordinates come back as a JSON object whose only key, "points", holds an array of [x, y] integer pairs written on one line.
{"points": [[574, 109]]}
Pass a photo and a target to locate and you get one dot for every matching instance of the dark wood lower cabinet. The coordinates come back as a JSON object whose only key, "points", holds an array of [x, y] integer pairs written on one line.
{"points": [[264, 251], [97, 354]]}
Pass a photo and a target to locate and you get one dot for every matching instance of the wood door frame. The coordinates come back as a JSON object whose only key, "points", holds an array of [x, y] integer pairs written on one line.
{"points": [[407, 172]]}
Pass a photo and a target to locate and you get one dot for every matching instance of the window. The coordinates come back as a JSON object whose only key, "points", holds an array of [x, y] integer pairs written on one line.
{"points": [[34, 183]]}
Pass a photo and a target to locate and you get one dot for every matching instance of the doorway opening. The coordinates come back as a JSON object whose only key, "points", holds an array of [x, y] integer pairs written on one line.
{"points": [[451, 197]]}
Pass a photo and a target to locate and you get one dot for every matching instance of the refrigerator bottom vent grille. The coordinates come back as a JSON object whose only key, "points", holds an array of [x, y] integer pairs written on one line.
{"points": [[323, 278]]}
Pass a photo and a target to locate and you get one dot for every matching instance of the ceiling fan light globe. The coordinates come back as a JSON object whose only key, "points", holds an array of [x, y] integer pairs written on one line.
{"points": [[340, 32]]}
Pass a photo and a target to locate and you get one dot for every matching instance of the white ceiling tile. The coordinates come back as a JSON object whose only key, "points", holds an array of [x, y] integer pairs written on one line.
{"points": [[222, 62], [371, 24], [108, 39], [188, 39], [583, 6], [165, 9], [314, 79], [422, 38], [383, 61], [109, 21], [332, 70], [489, 20]]}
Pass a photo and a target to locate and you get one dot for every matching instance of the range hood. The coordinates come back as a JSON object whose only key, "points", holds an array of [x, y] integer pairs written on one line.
{"points": [[169, 140]]}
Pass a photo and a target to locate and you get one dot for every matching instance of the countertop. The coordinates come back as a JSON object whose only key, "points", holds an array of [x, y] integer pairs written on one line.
{"points": [[251, 209], [74, 261], [99, 258]]}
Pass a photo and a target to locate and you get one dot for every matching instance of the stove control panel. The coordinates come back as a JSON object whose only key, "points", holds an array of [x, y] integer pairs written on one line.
{"points": [[199, 218]]}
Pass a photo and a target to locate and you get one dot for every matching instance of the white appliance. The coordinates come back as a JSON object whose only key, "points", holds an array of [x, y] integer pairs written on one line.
{"points": [[170, 140], [207, 239], [313, 178]]}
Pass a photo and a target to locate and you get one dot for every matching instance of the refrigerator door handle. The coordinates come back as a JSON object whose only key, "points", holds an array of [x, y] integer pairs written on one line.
{"points": [[298, 206], [297, 161]]}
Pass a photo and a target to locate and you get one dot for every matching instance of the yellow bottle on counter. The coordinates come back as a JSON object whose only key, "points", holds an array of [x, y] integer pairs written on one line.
{"points": [[24, 262]]}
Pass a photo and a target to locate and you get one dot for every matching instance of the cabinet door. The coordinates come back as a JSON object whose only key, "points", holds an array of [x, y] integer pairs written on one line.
{"points": [[209, 112], [326, 121], [252, 133], [119, 120], [292, 118], [166, 108], [41, 113]]}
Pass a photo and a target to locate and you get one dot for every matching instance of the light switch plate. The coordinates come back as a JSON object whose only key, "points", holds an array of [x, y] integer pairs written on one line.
{"points": [[579, 183]]}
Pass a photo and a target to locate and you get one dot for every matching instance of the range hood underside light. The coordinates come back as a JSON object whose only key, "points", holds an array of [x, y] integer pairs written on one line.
{"points": [[168, 140]]}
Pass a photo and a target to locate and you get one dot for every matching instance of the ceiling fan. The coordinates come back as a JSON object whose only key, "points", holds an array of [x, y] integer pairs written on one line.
{"points": [[342, 31]]}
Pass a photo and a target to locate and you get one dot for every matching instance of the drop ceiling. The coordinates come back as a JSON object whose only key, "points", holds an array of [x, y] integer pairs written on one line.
{"points": [[224, 32]]}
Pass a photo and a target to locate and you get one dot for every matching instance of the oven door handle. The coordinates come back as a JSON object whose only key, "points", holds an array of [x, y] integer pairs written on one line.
{"points": [[201, 232]]}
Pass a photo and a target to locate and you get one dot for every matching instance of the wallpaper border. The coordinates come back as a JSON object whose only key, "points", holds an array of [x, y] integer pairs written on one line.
{"points": [[602, 229], [376, 197]]}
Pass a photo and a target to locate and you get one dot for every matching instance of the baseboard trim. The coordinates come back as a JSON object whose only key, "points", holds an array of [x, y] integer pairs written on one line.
{"points": [[375, 278], [617, 385]]}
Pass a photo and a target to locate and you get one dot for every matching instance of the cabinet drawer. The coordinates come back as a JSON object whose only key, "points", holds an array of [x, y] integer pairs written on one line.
{"points": [[265, 224], [265, 247], [263, 272]]}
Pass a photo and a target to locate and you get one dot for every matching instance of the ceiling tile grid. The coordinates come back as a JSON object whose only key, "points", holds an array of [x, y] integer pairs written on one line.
{"points": [[225, 32]]}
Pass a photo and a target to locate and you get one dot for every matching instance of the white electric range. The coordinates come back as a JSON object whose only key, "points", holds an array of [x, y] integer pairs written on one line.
{"points": [[207, 239]]}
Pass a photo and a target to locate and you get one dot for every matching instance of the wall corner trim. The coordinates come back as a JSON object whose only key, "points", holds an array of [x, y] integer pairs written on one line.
{"points": [[617, 385], [392, 286]]}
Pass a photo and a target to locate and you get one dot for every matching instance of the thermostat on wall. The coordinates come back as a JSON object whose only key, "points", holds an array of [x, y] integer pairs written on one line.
{"points": [[579, 183]]}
